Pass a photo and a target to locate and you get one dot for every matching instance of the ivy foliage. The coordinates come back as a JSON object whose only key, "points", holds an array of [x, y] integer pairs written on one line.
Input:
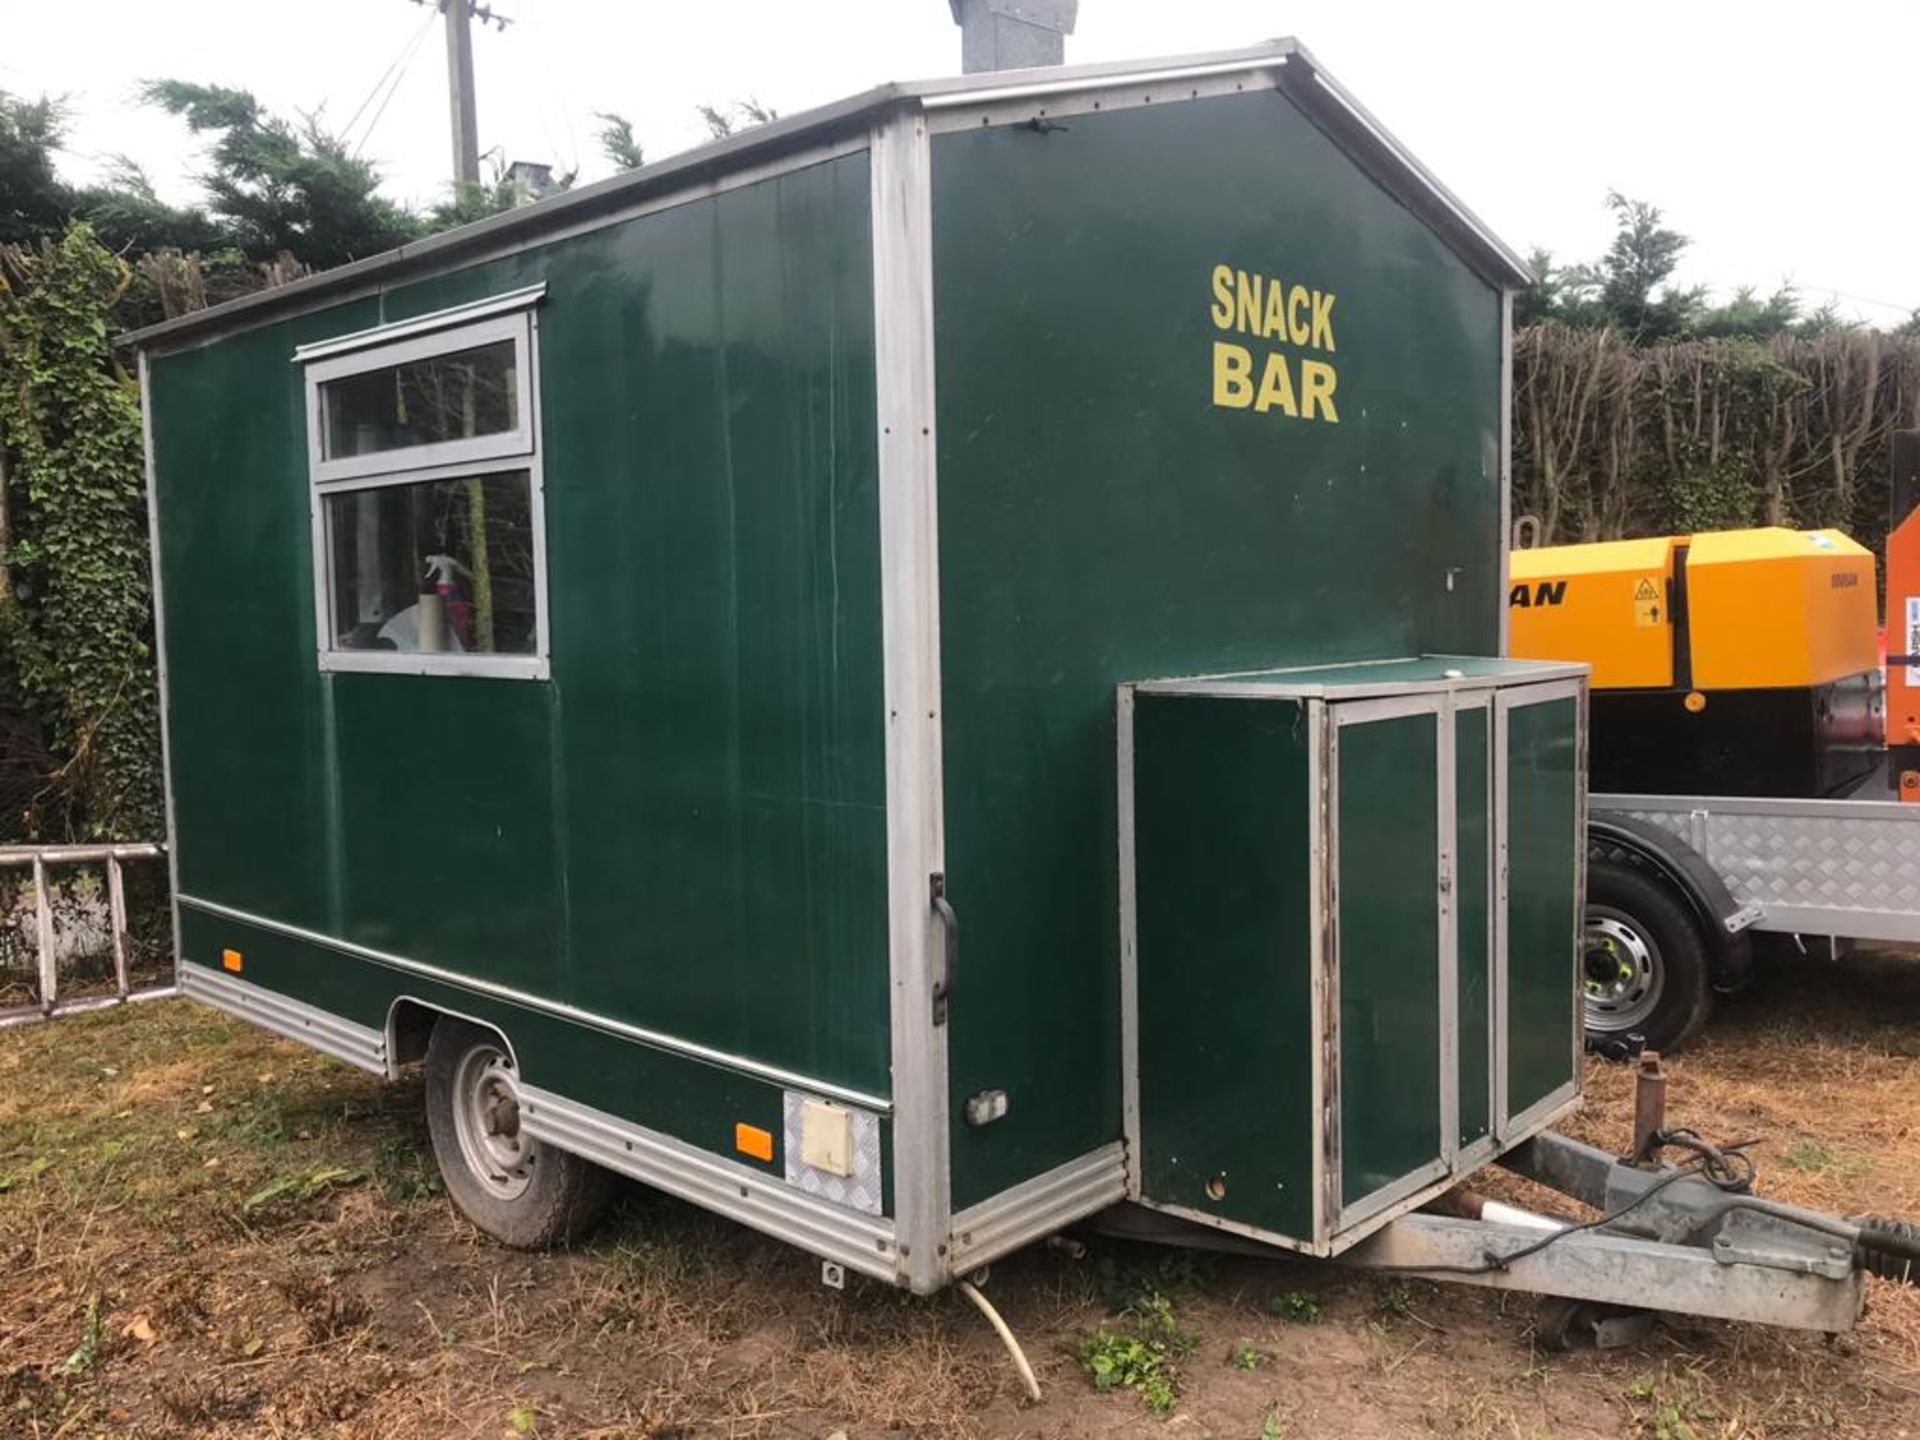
{"points": [[75, 613]]}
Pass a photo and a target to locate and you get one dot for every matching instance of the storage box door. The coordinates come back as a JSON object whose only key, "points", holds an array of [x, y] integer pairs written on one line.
{"points": [[1539, 803], [1391, 982]]}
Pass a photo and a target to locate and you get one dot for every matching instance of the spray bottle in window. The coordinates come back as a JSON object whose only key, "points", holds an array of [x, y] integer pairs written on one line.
{"points": [[444, 610]]}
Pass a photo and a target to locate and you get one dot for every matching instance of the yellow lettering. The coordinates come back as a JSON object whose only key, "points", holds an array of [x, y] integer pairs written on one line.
{"points": [[1323, 320], [1316, 389], [1248, 316], [1276, 387], [1276, 322], [1299, 300], [1222, 310], [1232, 375]]}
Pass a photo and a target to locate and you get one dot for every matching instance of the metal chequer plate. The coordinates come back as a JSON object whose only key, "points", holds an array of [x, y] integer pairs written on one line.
{"points": [[862, 1190], [1839, 867]]}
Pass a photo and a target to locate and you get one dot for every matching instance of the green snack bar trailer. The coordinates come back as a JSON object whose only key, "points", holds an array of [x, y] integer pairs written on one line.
{"points": [[906, 676]]}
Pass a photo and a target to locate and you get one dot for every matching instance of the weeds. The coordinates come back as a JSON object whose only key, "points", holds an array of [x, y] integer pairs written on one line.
{"points": [[88, 1350], [1142, 1354], [1244, 1357], [1302, 1307]]}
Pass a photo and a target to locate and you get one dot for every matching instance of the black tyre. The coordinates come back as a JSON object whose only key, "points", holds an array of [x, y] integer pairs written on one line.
{"points": [[521, 1192], [1643, 960]]}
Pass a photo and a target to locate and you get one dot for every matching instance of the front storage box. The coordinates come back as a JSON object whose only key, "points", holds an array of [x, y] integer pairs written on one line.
{"points": [[1349, 898]]}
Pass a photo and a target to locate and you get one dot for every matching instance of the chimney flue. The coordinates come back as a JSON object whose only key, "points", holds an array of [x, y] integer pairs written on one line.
{"points": [[1013, 34]]}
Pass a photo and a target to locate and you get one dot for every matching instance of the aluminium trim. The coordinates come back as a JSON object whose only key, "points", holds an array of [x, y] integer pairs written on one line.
{"points": [[465, 452], [765, 1202], [1504, 463], [1129, 945], [1070, 79], [653, 1039], [160, 650], [1038, 1207], [1447, 823], [1513, 270], [1497, 764], [1470, 1157], [325, 1031], [454, 315], [521, 449], [1236, 685], [1889, 811], [1370, 1206], [1346, 1214], [1890, 925], [1331, 1146], [901, 198], [1555, 1105], [1238, 1227], [1320, 1023], [1041, 103]]}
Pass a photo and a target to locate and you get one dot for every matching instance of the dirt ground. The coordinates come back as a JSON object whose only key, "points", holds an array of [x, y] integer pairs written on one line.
{"points": [[206, 1231]]}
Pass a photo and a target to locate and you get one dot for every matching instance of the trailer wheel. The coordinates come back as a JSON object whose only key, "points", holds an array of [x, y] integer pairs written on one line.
{"points": [[519, 1191], [1643, 961]]}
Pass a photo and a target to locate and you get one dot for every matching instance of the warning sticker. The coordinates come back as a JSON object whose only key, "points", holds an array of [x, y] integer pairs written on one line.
{"points": [[1913, 637], [1646, 603]]}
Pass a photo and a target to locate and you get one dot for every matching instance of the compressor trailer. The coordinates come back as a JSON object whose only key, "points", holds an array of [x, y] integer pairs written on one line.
{"points": [[1756, 765], [613, 652]]}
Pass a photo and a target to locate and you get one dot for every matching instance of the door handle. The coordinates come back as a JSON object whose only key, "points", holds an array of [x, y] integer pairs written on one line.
{"points": [[949, 950]]}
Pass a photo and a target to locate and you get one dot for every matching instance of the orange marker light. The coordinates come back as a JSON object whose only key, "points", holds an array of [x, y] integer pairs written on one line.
{"points": [[230, 960], [752, 1140]]}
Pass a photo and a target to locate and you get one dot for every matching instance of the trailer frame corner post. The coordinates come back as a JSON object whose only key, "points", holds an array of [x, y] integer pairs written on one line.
{"points": [[144, 372], [1129, 944], [902, 201]]}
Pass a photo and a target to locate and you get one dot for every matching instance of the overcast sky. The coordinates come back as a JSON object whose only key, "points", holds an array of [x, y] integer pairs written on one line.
{"points": [[1779, 136]]}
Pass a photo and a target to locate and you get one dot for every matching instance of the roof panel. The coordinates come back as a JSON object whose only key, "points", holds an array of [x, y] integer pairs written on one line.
{"points": [[1296, 74]]}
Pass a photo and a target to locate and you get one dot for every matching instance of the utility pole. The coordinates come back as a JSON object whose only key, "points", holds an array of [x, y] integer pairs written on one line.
{"points": [[460, 102], [466, 126]]}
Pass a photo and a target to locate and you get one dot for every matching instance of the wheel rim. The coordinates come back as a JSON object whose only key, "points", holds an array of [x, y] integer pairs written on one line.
{"points": [[486, 1119], [1620, 969]]}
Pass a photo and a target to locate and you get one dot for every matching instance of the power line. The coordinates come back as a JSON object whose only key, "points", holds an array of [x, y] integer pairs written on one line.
{"points": [[1861, 299], [412, 42], [405, 65]]}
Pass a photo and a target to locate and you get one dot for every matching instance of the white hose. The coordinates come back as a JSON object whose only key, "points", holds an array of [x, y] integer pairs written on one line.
{"points": [[985, 1307]]}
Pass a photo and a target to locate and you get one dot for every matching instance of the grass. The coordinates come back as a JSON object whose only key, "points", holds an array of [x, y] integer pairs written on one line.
{"points": [[206, 1231]]}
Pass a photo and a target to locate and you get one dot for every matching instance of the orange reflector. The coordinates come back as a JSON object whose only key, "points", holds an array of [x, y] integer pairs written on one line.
{"points": [[752, 1140], [230, 959]]}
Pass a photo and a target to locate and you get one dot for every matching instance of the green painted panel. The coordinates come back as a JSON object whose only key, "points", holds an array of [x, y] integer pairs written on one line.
{"points": [[1388, 927], [1473, 915], [684, 829], [253, 795], [1542, 806], [671, 1093], [1222, 829], [1102, 520]]}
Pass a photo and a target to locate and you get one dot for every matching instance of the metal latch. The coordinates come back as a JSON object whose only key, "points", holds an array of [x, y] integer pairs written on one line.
{"points": [[949, 952]]}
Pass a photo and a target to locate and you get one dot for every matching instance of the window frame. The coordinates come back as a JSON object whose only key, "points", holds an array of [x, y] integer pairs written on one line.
{"points": [[514, 318]]}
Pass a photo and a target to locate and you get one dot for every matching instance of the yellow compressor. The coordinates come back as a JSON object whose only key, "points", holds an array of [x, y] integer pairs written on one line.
{"points": [[1734, 662]]}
